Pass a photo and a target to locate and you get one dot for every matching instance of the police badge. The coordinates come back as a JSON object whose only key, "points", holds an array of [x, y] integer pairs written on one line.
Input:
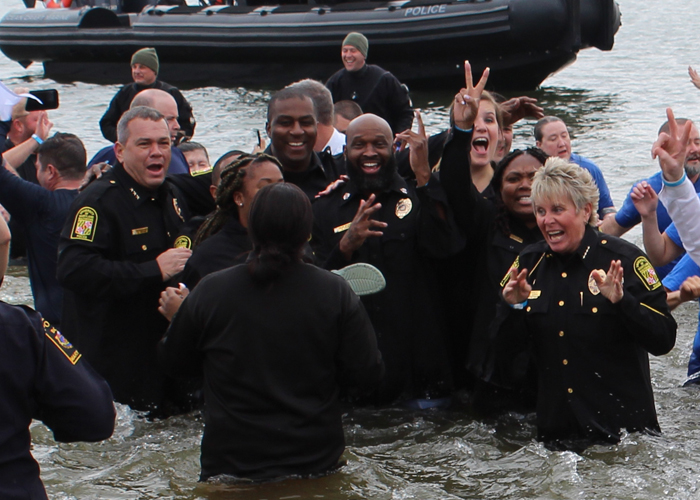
{"points": [[403, 207]]}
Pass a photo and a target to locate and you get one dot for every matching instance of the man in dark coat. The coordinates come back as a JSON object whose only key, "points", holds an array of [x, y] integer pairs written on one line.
{"points": [[375, 90], [115, 253], [144, 71]]}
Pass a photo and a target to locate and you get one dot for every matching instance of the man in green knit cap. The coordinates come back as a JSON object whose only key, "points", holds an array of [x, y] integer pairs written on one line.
{"points": [[144, 72], [374, 89]]}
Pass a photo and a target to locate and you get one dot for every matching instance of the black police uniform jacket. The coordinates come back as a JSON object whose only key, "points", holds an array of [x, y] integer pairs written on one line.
{"points": [[471, 284], [405, 314], [107, 264], [274, 357], [43, 377], [591, 354]]}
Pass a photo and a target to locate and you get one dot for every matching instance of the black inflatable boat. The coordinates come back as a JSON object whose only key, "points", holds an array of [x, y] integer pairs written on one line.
{"points": [[423, 42]]}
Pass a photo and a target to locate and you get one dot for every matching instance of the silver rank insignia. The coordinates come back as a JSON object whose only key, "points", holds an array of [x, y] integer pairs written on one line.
{"points": [[404, 190], [346, 196], [592, 285], [403, 207]]}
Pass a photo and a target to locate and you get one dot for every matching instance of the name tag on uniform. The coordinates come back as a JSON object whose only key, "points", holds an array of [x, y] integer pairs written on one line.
{"points": [[342, 228], [534, 294], [140, 230]]}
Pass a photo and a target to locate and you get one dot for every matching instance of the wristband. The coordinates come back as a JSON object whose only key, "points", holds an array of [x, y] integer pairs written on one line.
{"points": [[675, 183], [468, 131], [519, 306], [38, 139]]}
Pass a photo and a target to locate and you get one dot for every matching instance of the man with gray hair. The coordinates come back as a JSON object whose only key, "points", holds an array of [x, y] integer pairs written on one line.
{"points": [[116, 251], [326, 134], [165, 104]]}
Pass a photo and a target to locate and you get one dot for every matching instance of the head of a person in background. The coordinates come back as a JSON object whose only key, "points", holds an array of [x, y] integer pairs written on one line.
{"points": [[279, 225], [512, 183], [692, 149], [369, 153], [224, 161], [505, 140], [354, 51], [563, 195], [240, 182], [143, 146], [23, 123], [145, 66], [552, 137], [345, 112], [61, 157], [196, 156], [323, 104], [162, 102], [486, 132], [291, 127]]}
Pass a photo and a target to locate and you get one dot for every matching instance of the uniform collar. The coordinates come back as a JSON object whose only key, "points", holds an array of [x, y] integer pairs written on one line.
{"points": [[590, 240], [136, 191]]}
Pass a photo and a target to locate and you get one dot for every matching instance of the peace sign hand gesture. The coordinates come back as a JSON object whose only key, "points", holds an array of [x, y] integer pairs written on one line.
{"points": [[466, 104]]}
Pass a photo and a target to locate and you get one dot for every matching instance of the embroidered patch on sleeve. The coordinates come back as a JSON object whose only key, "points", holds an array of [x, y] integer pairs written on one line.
{"points": [[506, 278], [84, 225], [61, 342], [646, 273], [183, 242]]}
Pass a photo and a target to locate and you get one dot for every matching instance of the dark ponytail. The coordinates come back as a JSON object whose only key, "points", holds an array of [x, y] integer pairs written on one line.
{"points": [[279, 224]]}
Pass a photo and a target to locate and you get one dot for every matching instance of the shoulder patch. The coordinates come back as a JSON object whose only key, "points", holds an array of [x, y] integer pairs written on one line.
{"points": [[84, 225], [506, 278], [183, 242], [61, 342], [647, 273]]}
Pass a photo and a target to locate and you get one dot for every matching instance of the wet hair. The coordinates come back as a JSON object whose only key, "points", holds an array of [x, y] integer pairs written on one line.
{"points": [[321, 96], [541, 123], [66, 152], [559, 179], [232, 180], [188, 146], [665, 128], [347, 109], [283, 95], [279, 224], [224, 161], [140, 112], [502, 215]]}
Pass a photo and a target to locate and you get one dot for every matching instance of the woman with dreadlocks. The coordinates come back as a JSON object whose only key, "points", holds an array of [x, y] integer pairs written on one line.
{"points": [[222, 241]]}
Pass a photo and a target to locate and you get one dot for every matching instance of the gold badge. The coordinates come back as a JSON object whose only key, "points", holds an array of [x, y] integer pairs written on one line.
{"points": [[61, 342], [506, 278], [534, 294], [183, 242], [139, 230], [342, 228], [84, 225], [403, 207], [176, 206], [646, 273], [592, 285]]}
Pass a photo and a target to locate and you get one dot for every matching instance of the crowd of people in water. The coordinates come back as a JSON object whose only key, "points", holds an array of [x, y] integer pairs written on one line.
{"points": [[460, 266]]}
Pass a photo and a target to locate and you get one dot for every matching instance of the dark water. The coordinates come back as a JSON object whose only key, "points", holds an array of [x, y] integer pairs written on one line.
{"points": [[614, 103]]}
